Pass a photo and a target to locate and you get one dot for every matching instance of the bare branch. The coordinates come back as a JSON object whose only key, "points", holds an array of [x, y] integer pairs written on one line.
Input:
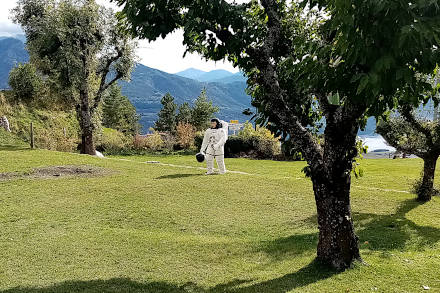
{"points": [[407, 113]]}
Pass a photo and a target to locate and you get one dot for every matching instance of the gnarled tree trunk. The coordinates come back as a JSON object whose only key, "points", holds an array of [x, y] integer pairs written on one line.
{"points": [[87, 145], [338, 244], [426, 189]]}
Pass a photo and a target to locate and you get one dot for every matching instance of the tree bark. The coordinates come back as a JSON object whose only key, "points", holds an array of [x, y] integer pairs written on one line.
{"points": [[87, 145], [426, 189], [338, 244]]}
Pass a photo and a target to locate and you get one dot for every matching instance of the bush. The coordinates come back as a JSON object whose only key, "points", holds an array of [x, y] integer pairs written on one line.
{"points": [[185, 135], [150, 143], [112, 141], [266, 145], [258, 144]]}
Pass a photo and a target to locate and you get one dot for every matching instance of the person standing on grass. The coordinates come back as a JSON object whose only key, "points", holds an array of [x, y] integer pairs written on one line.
{"points": [[213, 146], [4, 123]]}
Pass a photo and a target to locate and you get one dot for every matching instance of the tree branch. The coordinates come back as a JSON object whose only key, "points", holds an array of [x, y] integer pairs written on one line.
{"points": [[103, 86], [269, 78], [406, 112]]}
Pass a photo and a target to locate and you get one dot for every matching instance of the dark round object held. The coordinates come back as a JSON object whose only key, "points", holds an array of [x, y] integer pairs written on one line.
{"points": [[200, 157]]}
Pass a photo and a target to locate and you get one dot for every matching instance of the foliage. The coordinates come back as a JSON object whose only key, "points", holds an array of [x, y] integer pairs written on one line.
{"points": [[310, 62], [25, 82], [185, 135], [411, 134], [263, 140], [361, 149], [167, 115], [184, 113], [118, 112], [290, 151], [202, 112], [78, 45], [407, 137], [53, 129], [152, 142], [198, 116], [112, 141]]}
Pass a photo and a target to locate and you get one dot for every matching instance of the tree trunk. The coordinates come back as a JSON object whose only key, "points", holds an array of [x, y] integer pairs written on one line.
{"points": [[426, 189], [338, 244], [87, 145]]}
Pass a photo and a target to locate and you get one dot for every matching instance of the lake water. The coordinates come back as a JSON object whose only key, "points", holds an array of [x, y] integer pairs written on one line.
{"points": [[375, 143]]}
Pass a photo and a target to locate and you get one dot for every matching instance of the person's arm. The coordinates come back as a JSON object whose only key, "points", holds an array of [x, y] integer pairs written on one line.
{"points": [[204, 143], [222, 140]]}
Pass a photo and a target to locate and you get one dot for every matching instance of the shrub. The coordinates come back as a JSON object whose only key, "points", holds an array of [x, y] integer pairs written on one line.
{"points": [[258, 144], [25, 81], [112, 141], [264, 142], [185, 135], [152, 142]]}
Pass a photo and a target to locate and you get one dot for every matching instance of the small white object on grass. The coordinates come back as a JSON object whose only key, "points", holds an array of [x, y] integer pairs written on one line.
{"points": [[99, 154], [426, 287]]}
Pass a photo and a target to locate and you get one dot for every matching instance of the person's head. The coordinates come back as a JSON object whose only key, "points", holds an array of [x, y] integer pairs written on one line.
{"points": [[215, 123]]}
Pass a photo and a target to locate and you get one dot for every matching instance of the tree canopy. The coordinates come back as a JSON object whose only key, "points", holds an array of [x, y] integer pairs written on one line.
{"points": [[78, 46], [309, 62]]}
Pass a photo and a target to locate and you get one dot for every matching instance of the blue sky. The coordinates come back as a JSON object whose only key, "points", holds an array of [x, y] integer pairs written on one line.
{"points": [[166, 55]]}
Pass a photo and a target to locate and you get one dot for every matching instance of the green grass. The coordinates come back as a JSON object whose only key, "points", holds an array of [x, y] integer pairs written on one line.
{"points": [[154, 228]]}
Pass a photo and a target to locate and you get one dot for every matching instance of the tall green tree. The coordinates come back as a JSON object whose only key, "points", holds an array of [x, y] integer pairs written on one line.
{"points": [[25, 82], [77, 44], [118, 112], [202, 111], [307, 60], [167, 116], [184, 113]]}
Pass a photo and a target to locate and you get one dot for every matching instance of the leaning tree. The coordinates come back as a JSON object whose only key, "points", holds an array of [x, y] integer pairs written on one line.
{"points": [[410, 133], [77, 44], [340, 60], [413, 131]]}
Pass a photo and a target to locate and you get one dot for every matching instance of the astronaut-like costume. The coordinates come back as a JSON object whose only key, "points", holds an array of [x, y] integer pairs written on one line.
{"points": [[213, 146], [4, 123]]}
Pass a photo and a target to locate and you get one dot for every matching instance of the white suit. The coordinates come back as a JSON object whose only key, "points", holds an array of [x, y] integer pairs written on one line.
{"points": [[213, 146], [5, 123]]}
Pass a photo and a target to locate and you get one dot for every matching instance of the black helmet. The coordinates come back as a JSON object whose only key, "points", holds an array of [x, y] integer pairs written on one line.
{"points": [[200, 157]]}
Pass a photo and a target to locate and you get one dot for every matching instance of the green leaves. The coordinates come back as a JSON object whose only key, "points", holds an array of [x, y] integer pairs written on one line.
{"points": [[334, 99]]}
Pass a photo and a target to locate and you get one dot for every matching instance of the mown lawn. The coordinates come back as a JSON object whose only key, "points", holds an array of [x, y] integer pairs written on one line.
{"points": [[154, 228]]}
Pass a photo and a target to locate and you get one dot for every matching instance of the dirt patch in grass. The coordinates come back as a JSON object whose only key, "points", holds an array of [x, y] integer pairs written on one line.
{"points": [[58, 172]]}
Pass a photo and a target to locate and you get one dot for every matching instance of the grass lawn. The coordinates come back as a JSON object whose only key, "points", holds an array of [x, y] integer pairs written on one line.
{"points": [[155, 228]]}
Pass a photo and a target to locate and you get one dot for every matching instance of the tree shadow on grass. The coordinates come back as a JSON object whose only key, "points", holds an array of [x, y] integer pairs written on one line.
{"points": [[13, 148], [311, 273], [389, 232], [177, 176], [293, 245], [395, 231]]}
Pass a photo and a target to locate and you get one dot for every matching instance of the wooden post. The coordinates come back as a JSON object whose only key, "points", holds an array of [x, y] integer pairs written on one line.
{"points": [[32, 136]]}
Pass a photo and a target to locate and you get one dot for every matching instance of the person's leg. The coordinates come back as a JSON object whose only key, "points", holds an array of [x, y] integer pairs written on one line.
{"points": [[210, 164], [221, 164]]}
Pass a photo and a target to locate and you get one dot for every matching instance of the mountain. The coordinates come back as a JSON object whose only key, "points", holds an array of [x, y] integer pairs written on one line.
{"points": [[215, 75], [149, 85], [232, 78], [220, 75], [191, 73], [12, 51]]}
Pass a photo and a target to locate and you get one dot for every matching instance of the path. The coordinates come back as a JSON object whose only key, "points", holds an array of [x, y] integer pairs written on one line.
{"points": [[250, 174]]}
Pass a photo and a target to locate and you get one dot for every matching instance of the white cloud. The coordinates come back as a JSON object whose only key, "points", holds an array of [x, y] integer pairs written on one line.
{"points": [[163, 54]]}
